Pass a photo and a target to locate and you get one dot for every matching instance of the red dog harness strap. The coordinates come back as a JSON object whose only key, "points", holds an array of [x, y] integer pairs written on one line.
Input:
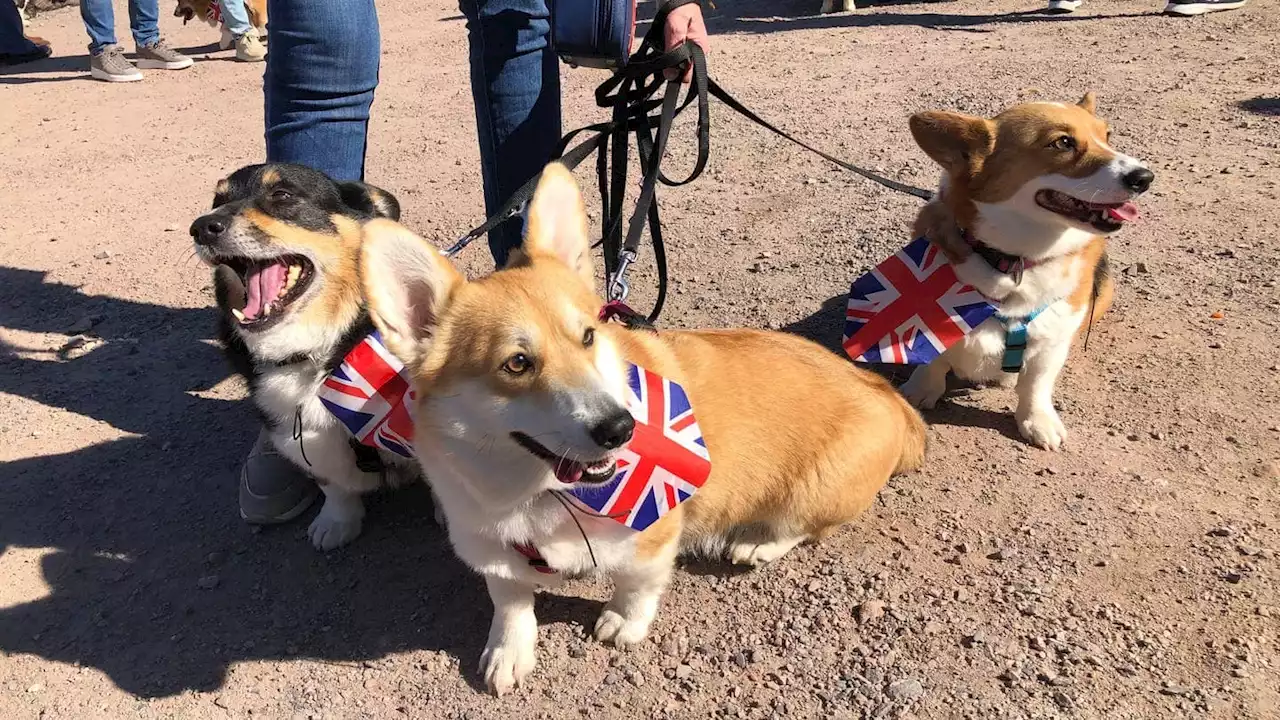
{"points": [[536, 561]]}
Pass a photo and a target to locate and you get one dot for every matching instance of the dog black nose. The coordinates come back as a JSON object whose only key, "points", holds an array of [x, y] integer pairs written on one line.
{"points": [[1139, 180], [208, 229], [614, 431]]}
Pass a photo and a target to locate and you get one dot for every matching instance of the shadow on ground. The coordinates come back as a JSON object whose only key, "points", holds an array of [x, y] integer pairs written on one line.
{"points": [[141, 527], [824, 327], [768, 16], [1262, 105]]}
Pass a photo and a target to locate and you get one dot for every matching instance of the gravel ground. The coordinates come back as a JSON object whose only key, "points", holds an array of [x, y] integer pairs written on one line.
{"points": [[1132, 576]]}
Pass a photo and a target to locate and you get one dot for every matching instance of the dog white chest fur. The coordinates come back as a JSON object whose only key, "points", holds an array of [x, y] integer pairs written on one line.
{"points": [[1039, 182]]}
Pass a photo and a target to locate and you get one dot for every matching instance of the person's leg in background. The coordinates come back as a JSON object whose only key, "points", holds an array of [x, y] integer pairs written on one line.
{"points": [[515, 81], [318, 88], [153, 52], [106, 57], [321, 74], [15, 47], [235, 21]]}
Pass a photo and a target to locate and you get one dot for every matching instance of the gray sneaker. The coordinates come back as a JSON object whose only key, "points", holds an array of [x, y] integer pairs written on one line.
{"points": [[273, 489], [112, 66], [159, 56]]}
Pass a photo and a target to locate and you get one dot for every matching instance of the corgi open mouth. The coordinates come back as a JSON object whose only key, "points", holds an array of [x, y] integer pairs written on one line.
{"points": [[267, 288], [569, 471], [1103, 217]]}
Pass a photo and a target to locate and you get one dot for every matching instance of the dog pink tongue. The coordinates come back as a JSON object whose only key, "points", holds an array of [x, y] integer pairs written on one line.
{"points": [[568, 472], [263, 283], [1124, 212]]}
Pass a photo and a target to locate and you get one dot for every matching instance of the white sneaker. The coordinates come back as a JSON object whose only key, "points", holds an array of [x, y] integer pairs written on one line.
{"points": [[1062, 7], [1200, 7], [249, 48]]}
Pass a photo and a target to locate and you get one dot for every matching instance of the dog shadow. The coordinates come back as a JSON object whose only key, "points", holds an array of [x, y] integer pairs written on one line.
{"points": [[145, 570], [1261, 105], [826, 327]]}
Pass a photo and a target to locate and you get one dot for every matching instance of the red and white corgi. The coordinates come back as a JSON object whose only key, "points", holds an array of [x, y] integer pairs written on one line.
{"points": [[521, 394], [1024, 209], [210, 11]]}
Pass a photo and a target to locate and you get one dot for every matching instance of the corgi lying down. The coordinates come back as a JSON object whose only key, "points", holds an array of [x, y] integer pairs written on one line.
{"points": [[520, 394]]}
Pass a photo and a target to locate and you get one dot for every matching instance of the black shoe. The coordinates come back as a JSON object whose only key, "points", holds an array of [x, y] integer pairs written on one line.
{"points": [[1200, 7], [39, 53]]}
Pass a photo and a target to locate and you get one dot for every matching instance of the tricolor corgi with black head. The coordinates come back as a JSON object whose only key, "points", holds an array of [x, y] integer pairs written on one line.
{"points": [[1027, 201], [284, 241], [521, 394]]}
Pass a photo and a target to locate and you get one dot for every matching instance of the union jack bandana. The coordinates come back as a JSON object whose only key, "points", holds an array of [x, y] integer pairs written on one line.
{"points": [[371, 394], [214, 12], [664, 464], [910, 308]]}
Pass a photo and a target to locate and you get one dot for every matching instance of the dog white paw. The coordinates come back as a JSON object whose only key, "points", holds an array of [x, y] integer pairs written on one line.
{"points": [[334, 529], [623, 632], [506, 665], [1043, 427], [757, 554], [924, 388]]}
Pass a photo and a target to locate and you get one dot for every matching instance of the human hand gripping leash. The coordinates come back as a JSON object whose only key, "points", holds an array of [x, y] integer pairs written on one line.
{"points": [[630, 93]]}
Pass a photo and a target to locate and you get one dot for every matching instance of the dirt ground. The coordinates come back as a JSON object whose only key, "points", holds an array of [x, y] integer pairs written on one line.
{"points": [[1132, 576]]}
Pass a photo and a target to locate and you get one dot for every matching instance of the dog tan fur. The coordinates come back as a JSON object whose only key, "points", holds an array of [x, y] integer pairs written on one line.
{"points": [[1041, 183], [800, 440], [190, 10]]}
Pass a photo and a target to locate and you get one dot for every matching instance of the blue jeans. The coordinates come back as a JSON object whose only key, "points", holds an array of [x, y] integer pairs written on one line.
{"points": [[323, 68], [100, 21], [12, 41], [235, 17]]}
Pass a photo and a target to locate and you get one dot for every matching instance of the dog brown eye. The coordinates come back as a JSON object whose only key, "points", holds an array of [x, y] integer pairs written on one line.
{"points": [[281, 195], [518, 364], [589, 337], [1066, 142]]}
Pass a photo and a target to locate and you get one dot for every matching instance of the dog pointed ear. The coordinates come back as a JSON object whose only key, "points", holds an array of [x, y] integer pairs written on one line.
{"points": [[369, 200], [1089, 102], [407, 284], [557, 223], [959, 143]]}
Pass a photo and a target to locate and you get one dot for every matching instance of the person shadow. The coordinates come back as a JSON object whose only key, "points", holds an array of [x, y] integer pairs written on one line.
{"points": [[825, 327], [146, 571]]}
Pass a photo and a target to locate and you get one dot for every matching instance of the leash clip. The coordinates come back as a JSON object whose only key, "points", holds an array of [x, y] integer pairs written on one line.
{"points": [[618, 286]]}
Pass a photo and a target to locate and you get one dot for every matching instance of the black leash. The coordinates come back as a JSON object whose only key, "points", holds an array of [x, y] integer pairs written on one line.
{"points": [[630, 92]]}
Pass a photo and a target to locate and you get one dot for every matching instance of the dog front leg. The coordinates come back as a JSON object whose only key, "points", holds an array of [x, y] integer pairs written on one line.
{"points": [[327, 456], [625, 620], [1037, 420], [340, 519], [927, 384], [511, 653]]}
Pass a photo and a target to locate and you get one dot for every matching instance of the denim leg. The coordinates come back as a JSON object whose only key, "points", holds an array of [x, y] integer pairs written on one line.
{"points": [[100, 22], [144, 21], [235, 17], [322, 69], [515, 82], [12, 41]]}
